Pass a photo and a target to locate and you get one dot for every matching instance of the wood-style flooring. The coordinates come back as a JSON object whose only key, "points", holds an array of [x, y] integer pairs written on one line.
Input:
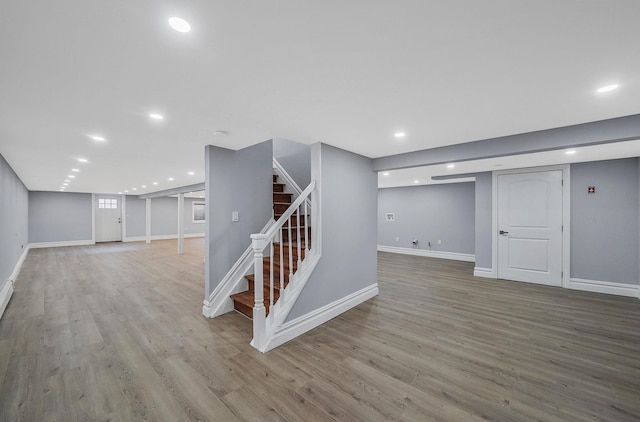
{"points": [[114, 332]]}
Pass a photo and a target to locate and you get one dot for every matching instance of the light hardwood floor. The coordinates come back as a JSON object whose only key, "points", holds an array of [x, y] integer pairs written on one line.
{"points": [[114, 332]]}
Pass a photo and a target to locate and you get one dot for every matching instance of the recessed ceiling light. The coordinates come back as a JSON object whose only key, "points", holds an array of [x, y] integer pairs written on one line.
{"points": [[156, 116], [65, 184], [400, 134], [155, 183], [607, 88], [416, 181], [83, 160], [570, 152], [144, 186], [170, 179], [76, 170], [450, 166], [71, 176], [134, 188], [220, 132], [386, 173], [191, 173], [119, 193], [179, 24], [126, 191], [61, 189], [97, 138], [67, 180]]}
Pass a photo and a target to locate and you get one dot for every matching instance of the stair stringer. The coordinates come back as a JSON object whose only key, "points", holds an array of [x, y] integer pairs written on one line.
{"points": [[288, 298], [220, 302]]}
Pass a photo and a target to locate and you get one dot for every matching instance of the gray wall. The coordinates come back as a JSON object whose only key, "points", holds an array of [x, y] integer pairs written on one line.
{"points": [[164, 216], [443, 212], [484, 218], [14, 220], [349, 252], [604, 225], [235, 181], [59, 216], [136, 210], [296, 160]]}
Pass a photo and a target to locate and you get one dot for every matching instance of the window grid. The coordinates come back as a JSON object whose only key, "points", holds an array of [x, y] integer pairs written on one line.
{"points": [[107, 203]]}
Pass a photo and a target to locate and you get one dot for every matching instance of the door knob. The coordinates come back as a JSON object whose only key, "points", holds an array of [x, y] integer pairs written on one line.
{"points": [[503, 232]]}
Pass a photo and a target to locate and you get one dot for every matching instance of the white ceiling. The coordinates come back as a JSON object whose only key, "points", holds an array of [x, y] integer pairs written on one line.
{"points": [[348, 73]]}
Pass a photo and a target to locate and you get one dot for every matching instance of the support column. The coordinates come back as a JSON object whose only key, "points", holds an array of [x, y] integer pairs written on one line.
{"points": [[148, 221], [180, 223]]}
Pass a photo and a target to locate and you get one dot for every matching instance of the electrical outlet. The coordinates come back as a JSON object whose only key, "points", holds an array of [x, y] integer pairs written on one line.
{"points": [[397, 239], [439, 242]]}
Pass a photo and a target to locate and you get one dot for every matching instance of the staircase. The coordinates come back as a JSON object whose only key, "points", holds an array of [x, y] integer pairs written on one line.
{"points": [[292, 244]]}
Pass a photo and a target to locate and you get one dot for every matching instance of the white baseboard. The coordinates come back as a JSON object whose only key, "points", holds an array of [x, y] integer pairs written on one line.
{"points": [[608, 287], [7, 289], [431, 254], [484, 272], [296, 327], [161, 237], [39, 245], [16, 270], [5, 296]]}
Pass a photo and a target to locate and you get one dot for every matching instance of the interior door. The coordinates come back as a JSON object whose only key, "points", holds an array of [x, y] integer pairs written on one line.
{"points": [[530, 227], [108, 218]]}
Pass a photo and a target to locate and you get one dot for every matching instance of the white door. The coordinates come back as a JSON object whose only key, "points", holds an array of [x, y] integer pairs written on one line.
{"points": [[530, 227], [108, 218]]}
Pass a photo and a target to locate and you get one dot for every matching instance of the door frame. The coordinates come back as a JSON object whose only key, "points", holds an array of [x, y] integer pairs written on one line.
{"points": [[566, 216], [123, 217]]}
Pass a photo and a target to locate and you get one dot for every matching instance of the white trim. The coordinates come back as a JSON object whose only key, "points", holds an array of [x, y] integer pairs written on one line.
{"points": [[16, 270], [316, 196], [484, 272], [607, 287], [287, 179], [7, 289], [123, 216], [566, 215], [431, 254], [61, 244], [219, 301], [5, 296], [93, 218], [161, 237], [311, 320], [147, 237]]}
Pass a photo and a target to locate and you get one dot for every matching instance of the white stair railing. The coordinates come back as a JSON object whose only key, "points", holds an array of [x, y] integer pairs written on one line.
{"points": [[289, 242]]}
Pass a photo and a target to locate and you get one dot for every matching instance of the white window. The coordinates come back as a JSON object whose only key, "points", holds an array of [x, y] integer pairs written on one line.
{"points": [[107, 203]]}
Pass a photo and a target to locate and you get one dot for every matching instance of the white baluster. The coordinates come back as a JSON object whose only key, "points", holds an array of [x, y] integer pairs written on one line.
{"points": [[271, 276], [298, 234], [281, 263], [307, 237], [259, 312]]}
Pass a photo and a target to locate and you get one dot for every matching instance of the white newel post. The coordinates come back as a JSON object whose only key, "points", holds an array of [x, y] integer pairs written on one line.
{"points": [[259, 242]]}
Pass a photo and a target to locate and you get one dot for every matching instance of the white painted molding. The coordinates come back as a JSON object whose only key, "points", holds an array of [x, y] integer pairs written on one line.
{"points": [[16, 270], [431, 254], [607, 287], [61, 244], [5, 296], [7, 289], [161, 237], [311, 320], [219, 302], [484, 272]]}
